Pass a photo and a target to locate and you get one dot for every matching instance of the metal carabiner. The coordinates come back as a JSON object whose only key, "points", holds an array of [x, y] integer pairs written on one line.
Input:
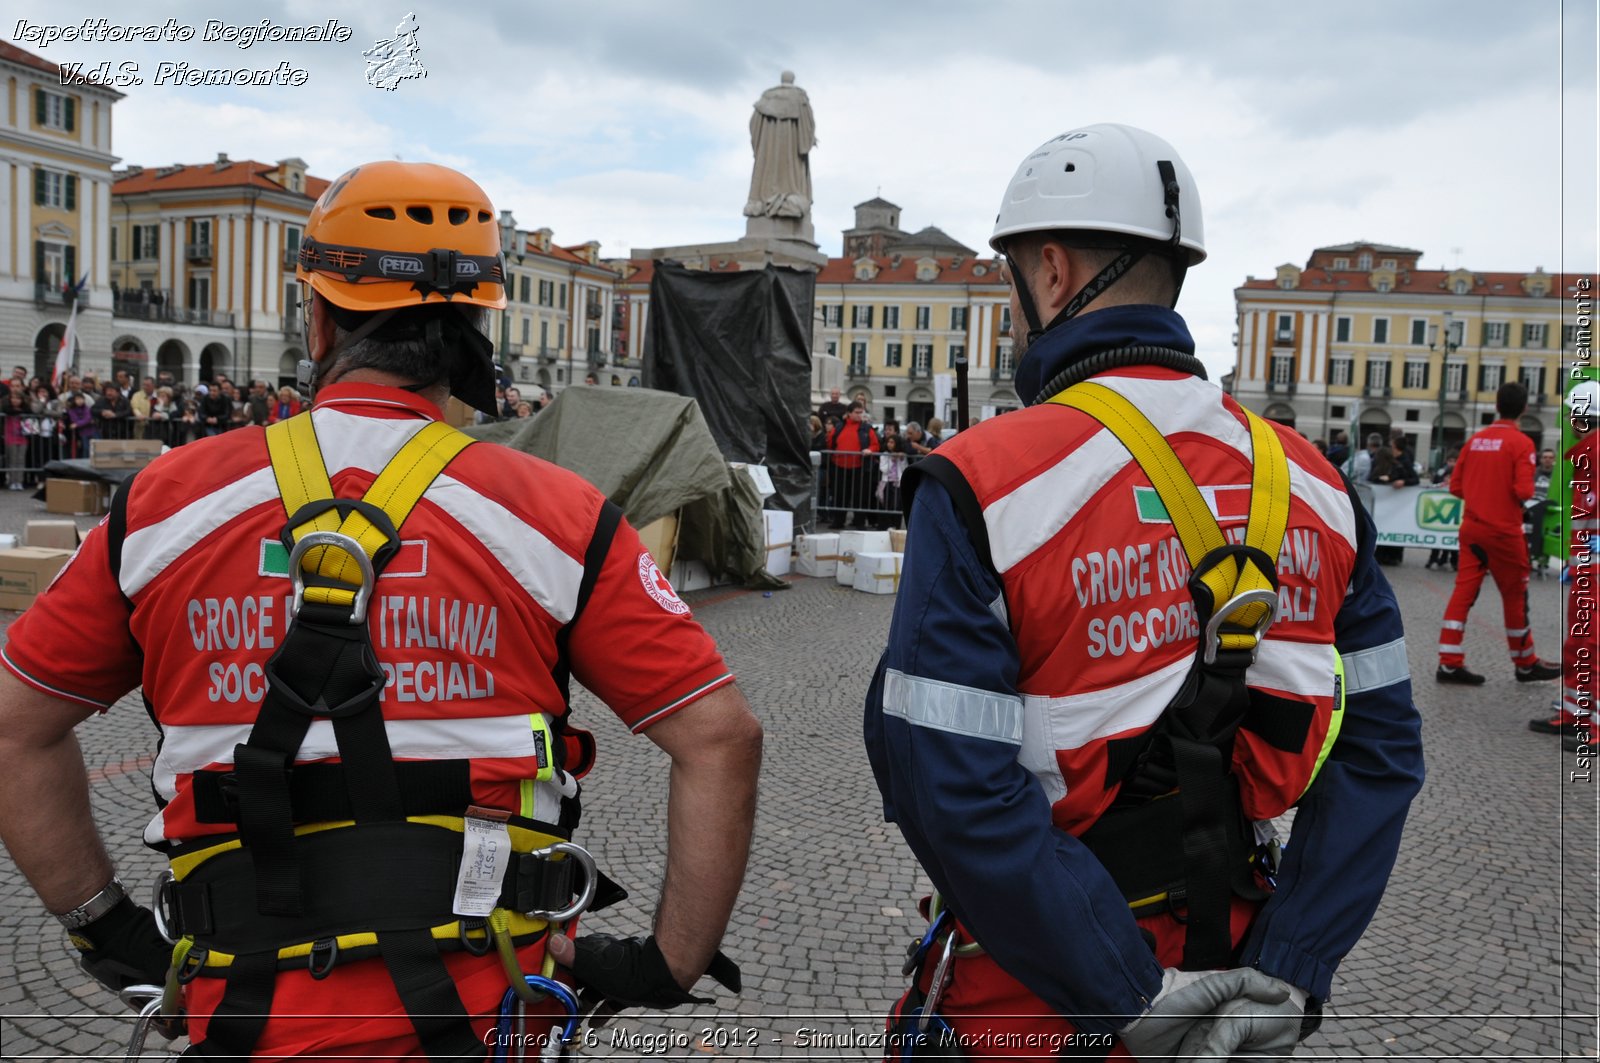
{"points": [[344, 543], [936, 983], [149, 1000], [591, 880], [547, 988], [920, 948], [1213, 634]]}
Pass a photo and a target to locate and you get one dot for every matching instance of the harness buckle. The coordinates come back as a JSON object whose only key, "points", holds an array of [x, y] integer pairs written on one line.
{"points": [[163, 904], [342, 542], [1213, 632], [323, 957], [591, 880]]}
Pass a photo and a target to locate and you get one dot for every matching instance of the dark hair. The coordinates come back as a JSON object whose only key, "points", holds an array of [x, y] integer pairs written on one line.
{"points": [[1511, 399], [400, 346]]}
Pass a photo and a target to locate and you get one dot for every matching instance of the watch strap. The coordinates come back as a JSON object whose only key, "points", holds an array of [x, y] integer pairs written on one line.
{"points": [[94, 907]]}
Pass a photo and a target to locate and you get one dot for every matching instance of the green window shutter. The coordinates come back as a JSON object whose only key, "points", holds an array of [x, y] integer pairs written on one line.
{"points": [[38, 187], [38, 261], [69, 259], [71, 194], [39, 106], [69, 114]]}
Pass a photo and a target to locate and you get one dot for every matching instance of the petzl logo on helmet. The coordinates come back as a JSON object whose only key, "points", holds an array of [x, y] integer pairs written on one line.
{"points": [[400, 265], [1438, 511], [465, 267]]}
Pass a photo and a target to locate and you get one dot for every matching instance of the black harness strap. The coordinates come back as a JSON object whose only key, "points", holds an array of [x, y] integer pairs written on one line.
{"points": [[574, 746], [429, 995], [241, 1015]]}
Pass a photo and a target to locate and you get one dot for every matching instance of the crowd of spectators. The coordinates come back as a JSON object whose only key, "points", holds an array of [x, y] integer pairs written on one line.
{"points": [[862, 464], [44, 423]]}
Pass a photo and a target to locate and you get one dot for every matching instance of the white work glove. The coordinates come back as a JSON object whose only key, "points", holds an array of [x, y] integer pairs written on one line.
{"points": [[1250, 1027], [1193, 998]]}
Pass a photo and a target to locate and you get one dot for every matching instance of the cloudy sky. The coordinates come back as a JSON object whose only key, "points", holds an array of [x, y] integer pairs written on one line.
{"points": [[1464, 128]]}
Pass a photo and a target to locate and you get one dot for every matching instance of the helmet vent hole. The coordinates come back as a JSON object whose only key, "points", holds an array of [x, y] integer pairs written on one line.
{"points": [[483, 215], [1071, 167], [459, 215], [386, 213], [420, 214]]}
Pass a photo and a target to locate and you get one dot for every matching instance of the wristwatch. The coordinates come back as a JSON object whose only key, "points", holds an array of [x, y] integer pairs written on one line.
{"points": [[94, 907]]}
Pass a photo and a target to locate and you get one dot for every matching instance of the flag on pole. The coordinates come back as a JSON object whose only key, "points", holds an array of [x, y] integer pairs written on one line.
{"points": [[69, 338]]}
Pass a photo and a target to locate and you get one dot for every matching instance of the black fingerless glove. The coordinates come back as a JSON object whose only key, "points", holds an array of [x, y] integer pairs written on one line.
{"points": [[615, 973], [123, 948]]}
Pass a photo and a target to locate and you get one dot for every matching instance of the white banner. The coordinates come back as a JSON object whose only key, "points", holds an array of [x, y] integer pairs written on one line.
{"points": [[1413, 516]]}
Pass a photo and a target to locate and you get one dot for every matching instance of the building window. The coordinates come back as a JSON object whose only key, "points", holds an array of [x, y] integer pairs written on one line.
{"points": [[832, 347], [1365, 261], [924, 318], [53, 189], [891, 355], [1416, 373], [1005, 360], [200, 293], [55, 111], [1380, 330], [1005, 320], [527, 327], [1462, 287], [561, 335], [1377, 374], [922, 359], [1341, 263], [1389, 263], [1535, 335], [1336, 412], [1285, 330], [1413, 415], [1494, 333], [1490, 376], [1532, 378], [544, 335], [291, 244], [561, 295], [146, 242], [860, 316], [547, 293], [114, 244], [1341, 330], [1455, 377], [1339, 371], [1569, 333], [53, 266], [1383, 285], [524, 286], [1419, 331], [957, 350], [958, 319], [1282, 369], [858, 356], [891, 318], [832, 315]]}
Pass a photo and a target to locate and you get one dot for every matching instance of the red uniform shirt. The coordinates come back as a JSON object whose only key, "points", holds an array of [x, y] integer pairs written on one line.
{"points": [[463, 620], [1494, 476]]}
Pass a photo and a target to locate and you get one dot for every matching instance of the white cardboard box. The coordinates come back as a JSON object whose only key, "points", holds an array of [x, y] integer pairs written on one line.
{"points": [[760, 475], [779, 529], [852, 543], [689, 576], [878, 572], [817, 555]]}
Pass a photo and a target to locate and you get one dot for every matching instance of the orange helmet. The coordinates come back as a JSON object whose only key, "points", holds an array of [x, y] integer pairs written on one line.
{"points": [[391, 235]]}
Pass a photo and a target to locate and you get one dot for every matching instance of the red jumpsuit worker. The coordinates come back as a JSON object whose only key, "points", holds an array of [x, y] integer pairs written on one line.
{"points": [[1494, 477]]}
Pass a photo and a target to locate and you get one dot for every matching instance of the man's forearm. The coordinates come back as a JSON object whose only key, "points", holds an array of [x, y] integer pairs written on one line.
{"points": [[710, 817], [46, 822]]}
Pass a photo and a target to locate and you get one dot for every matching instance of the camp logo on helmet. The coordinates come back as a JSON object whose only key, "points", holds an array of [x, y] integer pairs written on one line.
{"points": [[658, 587], [400, 265]]}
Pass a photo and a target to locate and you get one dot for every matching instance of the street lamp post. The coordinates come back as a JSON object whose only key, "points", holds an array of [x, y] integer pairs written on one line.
{"points": [[1442, 337]]}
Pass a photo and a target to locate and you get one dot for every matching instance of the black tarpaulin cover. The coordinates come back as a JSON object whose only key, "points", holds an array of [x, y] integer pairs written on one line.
{"points": [[739, 344]]}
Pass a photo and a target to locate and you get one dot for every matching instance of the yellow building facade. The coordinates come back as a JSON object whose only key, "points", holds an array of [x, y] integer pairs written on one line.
{"points": [[55, 205], [559, 322], [1362, 338]]}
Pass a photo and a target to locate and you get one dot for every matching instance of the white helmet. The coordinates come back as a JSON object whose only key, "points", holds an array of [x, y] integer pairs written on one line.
{"points": [[1584, 399], [1104, 178]]}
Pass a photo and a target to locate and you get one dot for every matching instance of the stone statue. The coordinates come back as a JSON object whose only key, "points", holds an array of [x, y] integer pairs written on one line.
{"points": [[782, 132]]}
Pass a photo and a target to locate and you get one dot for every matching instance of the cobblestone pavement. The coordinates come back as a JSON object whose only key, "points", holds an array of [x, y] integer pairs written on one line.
{"points": [[1485, 946]]}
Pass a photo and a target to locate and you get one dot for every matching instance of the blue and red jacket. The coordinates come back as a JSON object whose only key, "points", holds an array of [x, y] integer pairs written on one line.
{"points": [[1004, 678]]}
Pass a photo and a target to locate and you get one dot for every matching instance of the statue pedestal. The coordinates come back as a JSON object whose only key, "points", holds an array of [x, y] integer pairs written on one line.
{"points": [[784, 247]]}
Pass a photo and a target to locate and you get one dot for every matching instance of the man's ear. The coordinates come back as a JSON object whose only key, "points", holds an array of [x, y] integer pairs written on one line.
{"points": [[321, 329], [1054, 279]]}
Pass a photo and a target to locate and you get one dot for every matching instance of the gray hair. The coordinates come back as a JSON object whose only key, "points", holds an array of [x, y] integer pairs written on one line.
{"points": [[1375, 439]]}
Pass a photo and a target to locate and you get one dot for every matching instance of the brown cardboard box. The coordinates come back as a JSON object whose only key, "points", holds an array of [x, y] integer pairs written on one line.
{"points": [[123, 453], [25, 571], [660, 537], [51, 534], [78, 497], [897, 540]]}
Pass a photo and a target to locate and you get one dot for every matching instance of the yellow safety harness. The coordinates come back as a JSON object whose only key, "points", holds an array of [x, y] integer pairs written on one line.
{"points": [[337, 862]]}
